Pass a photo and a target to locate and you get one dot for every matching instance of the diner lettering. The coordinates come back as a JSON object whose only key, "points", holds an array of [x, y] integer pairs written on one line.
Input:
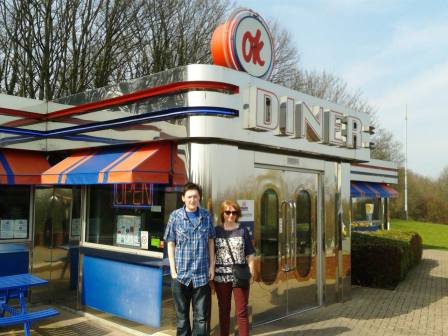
{"points": [[287, 116]]}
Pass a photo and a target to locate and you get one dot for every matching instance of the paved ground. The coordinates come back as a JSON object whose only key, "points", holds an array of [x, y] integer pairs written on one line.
{"points": [[418, 306]]}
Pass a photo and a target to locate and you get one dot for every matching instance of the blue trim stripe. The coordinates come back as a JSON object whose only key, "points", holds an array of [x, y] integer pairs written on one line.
{"points": [[379, 188], [87, 173], [7, 168], [369, 189], [21, 139], [64, 172], [124, 157], [179, 112]]}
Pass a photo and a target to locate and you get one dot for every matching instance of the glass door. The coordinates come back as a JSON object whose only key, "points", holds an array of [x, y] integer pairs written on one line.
{"points": [[301, 269], [286, 281], [56, 244]]}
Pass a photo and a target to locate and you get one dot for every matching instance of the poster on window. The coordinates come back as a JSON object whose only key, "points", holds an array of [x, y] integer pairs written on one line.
{"points": [[128, 230], [75, 230], [247, 210], [6, 229], [247, 215], [20, 228]]}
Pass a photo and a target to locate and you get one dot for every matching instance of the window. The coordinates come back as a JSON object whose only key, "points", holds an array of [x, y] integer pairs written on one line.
{"points": [[75, 220], [366, 209], [304, 233], [269, 236], [14, 212], [118, 214]]}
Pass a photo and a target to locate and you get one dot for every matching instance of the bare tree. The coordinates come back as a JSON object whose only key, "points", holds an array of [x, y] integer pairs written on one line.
{"points": [[386, 147], [286, 67], [176, 33], [52, 48]]}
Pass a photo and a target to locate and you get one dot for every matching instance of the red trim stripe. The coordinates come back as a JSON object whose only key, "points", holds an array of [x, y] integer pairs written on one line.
{"points": [[142, 94], [125, 99], [20, 113]]}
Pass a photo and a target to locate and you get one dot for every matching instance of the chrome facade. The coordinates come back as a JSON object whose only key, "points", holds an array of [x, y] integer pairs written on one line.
{"points": [[232, 171]]}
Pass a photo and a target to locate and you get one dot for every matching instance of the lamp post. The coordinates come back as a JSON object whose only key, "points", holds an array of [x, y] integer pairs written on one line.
{"points": [[406, 163]]}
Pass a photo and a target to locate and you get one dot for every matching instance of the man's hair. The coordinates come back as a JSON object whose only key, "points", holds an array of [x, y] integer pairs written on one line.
{"points": [[191, 186]]}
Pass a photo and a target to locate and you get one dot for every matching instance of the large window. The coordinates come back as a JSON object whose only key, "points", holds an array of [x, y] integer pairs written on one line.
{"points": [[14, 212], [366, 210], [130, 215], [304, 233], [269, 236]]}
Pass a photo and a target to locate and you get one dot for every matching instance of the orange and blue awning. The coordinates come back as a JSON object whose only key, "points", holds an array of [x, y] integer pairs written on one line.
{"points": [[371, 189], [21, 167], [156, 163]]}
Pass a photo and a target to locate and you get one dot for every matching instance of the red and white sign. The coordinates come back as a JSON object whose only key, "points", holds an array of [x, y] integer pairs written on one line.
{"points": [[244, 43]]}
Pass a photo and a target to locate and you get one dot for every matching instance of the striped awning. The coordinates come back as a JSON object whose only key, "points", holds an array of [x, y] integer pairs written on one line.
{"points": [[371, 189], [21, 167], [143, 163]]}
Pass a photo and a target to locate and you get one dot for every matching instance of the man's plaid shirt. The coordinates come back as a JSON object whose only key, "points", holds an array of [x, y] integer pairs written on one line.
{"points": [[191, 239]]}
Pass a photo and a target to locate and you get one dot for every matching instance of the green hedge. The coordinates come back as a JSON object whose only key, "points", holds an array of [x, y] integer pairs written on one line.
{"points": [[383, 258]]}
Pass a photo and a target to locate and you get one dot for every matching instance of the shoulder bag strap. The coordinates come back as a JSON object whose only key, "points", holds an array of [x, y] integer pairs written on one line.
{"points": [[230, 250]]}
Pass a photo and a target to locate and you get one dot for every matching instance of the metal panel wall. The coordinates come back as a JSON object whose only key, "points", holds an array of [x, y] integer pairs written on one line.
{"points": [[330, 247]]}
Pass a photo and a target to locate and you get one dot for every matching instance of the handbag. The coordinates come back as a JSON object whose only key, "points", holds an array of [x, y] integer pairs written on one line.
{"points": [[241, 273]]}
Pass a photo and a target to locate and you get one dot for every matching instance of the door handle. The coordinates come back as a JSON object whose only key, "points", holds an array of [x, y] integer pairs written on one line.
{"points": [[289, 243]]}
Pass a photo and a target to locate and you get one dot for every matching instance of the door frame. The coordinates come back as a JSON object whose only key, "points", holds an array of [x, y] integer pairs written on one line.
{"points": [[319, 229]]}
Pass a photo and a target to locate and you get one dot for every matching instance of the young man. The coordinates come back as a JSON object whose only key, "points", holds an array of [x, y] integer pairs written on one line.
{"points": [[191, 252]]}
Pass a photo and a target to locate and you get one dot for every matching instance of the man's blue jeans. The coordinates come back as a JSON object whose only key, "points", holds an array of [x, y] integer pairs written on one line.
{"points": [[200, 300]]}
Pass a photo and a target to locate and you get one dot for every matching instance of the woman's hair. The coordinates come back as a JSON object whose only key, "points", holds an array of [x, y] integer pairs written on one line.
{"points": [[229, 203]]}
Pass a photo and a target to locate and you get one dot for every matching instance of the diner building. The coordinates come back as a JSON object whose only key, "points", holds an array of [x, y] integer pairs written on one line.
{"points": [[88, 182]]}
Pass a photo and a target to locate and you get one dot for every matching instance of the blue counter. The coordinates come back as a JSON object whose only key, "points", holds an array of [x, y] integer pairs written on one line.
{"points": [[125, 285], [14, 258]]}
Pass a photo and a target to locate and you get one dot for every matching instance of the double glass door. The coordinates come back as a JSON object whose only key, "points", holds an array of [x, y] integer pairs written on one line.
{"points": [[56, 244], [286, 242]]}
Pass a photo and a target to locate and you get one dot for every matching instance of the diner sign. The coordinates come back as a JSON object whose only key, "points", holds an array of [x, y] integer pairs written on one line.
{"points": [[244, 43]]}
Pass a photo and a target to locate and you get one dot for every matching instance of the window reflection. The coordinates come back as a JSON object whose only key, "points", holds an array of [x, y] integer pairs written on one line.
{"points": [[14, 212], [119, 223], [304, 233], [269, 236]]}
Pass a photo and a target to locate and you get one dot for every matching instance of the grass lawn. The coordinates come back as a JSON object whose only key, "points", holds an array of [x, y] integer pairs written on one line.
{"points": [[434, 235]]}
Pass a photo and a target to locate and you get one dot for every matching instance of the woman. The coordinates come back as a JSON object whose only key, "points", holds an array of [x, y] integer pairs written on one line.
{"points": [[243, 251]]}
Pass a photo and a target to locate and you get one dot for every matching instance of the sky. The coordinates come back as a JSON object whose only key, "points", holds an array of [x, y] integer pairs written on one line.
{"points": [[394, 52]]}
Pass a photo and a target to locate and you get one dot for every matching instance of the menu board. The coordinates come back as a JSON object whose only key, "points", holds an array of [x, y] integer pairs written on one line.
{"points": [[75, 230], [128, 230]]}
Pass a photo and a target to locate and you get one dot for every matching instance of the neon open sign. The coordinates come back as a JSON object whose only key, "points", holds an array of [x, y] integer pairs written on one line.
{"points": [[136, 195]]}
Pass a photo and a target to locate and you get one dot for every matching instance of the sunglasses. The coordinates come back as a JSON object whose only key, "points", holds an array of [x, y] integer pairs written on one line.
{"points": [[228, 213]]}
